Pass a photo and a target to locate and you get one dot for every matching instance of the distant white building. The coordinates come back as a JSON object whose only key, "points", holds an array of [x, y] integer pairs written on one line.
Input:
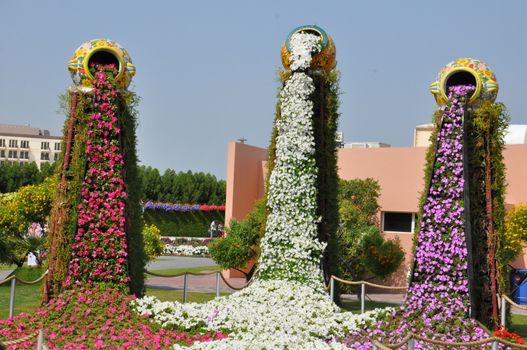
{"points": [[515, 135], [366, 145], [25, 144]]}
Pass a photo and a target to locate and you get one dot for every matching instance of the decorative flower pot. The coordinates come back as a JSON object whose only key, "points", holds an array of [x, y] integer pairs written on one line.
{"points": [[466, 71], [100, 51], [325, 60]]}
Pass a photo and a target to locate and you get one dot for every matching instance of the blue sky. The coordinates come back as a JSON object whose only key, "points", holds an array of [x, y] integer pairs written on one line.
{"points": [[206, 70]]}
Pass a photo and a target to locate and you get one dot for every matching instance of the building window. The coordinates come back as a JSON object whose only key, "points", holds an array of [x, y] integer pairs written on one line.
{"points": [[57, 146], [24, 144], [24, 154], [13, 154], [44, 156], [56, 156], [398, 222], [13, 143], [44, 145], [2, 142], [2, 153]]}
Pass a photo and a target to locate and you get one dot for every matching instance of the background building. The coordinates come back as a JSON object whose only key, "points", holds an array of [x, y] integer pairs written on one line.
{"points": [[25, 144], [399, 171]]}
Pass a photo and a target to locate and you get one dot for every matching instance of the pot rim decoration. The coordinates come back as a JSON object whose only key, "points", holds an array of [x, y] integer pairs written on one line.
{"points": [[324, 60], [486, 85], [79, 65]]}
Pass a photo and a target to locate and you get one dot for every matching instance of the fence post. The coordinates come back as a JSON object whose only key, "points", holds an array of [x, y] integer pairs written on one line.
{"points": [[362, 297], [12, 298], [503, 311], [332, 288], [40, 340], [411, 344], [494, 345], [185, 288], [217, 284]]}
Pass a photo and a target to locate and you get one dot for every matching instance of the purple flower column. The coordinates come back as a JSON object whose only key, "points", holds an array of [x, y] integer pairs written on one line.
{"points": [[440, 286]]}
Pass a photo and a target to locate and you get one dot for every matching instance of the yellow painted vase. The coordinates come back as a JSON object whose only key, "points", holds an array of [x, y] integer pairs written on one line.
{"points": [[466, 71], [100, 51], [325, 60]]}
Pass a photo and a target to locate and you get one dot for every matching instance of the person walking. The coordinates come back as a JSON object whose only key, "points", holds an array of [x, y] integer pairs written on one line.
{"points": [[213, 229]]}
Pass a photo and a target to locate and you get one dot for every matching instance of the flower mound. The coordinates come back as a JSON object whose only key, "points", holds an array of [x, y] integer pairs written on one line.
{"points": [[290, 248], [437, 303], [95, 318], [266, 315]]}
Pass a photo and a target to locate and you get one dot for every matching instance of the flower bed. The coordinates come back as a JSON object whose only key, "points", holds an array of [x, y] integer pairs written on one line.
{"points": [[95, 318], [185, 246], [273, 314], [186, 250]]}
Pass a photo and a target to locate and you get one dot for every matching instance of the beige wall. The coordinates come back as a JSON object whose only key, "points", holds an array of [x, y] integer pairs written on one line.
{"points": [[398, 170], [245, 179]]}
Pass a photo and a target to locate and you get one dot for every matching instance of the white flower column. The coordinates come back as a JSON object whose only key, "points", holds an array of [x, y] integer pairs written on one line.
{"points": [[290, 249]]}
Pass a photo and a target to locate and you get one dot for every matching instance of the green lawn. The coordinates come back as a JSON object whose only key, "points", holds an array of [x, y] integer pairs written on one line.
{"points": [[354, 305], [7, 267], [519, 325], [28, 297]]}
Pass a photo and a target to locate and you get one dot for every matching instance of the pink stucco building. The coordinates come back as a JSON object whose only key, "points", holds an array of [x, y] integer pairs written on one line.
{"points": [[399, 171]]}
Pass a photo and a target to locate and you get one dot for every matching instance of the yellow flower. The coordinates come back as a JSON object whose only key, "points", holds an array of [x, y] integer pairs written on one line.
{"points": [[463, 61], [488, 73], [80, 52], [101, 43]]}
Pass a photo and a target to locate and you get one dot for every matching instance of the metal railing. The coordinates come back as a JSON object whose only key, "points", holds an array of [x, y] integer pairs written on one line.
{"points": [[13, 279], [219, 275], [362, 284]]}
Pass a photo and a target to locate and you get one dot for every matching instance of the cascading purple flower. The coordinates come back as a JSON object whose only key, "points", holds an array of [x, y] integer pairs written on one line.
{"points": [[176, 207], [437, 302]]}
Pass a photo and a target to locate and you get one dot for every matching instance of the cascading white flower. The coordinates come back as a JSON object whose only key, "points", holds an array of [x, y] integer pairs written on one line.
{"points": [[287, 306], [266, 315], [290, 249]]}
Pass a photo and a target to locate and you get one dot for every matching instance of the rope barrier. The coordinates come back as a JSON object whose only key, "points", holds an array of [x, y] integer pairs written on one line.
{"points": [[409, 336], [20, 340], [354, 283], [236, 288], [524, 308], [403, 342], [204, 274], [13, 277]]}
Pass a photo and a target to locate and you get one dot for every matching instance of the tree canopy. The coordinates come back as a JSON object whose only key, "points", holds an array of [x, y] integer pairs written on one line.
{"points": [[181, 187]]}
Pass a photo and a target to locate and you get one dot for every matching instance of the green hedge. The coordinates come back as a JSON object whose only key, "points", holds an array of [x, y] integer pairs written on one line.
{"points": [[183, 224]]}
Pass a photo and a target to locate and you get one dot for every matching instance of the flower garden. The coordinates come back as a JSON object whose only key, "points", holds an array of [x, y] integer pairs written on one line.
{"points": [[94, 293]]}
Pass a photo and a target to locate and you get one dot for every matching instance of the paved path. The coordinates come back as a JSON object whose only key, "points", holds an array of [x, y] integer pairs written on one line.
{"points": [[170, 262], [5, 273], [203, 284]]}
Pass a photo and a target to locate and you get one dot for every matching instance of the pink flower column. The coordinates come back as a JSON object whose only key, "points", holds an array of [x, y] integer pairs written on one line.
{"points": [[99, 249]]}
